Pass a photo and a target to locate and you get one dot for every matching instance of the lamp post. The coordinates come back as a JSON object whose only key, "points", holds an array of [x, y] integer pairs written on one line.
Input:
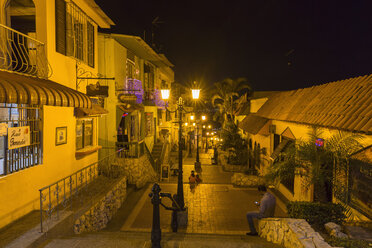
{"points": [[165, 95], [197, 164]]}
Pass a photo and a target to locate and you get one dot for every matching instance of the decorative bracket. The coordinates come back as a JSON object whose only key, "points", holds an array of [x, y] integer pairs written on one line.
{"points": [[82, 74]]}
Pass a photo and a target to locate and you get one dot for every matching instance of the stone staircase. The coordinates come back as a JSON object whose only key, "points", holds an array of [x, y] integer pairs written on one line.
{"points": [[156, 151], [169, 240]]}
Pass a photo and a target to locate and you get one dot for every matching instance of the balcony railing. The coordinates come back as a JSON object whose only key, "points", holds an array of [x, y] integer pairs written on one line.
{"points": [[22, 53]]}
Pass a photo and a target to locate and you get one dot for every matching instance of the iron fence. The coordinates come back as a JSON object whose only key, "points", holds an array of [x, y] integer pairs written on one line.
{"points": [[61, 195], [22, 53]]}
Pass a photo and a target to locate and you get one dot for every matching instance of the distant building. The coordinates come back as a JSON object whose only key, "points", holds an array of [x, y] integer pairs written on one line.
{"points": [[136, 111]]}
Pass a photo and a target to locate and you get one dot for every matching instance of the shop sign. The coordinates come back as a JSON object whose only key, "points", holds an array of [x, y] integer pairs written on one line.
{"points": [[18, 137]]}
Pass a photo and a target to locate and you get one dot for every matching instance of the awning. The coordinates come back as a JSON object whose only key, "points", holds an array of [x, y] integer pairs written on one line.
{"points": [[20, 89], [130, 107], [96, 110]]}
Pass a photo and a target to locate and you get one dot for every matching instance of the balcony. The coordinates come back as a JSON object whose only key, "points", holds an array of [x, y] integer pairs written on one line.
{"points": [[22, 53]]}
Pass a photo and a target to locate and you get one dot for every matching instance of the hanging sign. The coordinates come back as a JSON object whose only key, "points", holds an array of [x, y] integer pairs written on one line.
{"points": [[18, 137]]}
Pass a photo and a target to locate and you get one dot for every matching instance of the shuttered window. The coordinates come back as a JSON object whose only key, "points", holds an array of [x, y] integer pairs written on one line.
{"points": [[61, 26], [90, 36], [74, 32]]}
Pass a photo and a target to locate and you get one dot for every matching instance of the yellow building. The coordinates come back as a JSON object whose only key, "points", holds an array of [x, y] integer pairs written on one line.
{"points": [[47, 132], [136, 111], [289, 116]]}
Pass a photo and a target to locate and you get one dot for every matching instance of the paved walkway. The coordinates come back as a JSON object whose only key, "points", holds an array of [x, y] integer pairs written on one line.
{"points": [[214, 206], [216, 215]]}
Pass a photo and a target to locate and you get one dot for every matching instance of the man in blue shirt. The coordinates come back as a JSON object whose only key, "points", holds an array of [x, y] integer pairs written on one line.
{"points": [[267, 209]]}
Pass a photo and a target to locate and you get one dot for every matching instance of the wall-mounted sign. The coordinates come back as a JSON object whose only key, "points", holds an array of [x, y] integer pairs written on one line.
{"points": [[319, 142], [149, 120], [18, 137], [3, 129]]}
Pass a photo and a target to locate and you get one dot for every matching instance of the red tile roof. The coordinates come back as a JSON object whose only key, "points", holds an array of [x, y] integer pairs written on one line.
{"points": [[344, 104]]}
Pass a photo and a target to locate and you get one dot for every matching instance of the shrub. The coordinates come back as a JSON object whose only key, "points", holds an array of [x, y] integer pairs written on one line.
{"points": [[348, 243], [316, 213]]}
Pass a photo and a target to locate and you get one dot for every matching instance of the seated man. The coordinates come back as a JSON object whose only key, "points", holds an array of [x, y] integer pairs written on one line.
{"points": [[266, 209]]}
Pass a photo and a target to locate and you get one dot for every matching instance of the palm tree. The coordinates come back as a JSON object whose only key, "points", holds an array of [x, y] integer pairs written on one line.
{"points": [[318, 164], [226, 93]]}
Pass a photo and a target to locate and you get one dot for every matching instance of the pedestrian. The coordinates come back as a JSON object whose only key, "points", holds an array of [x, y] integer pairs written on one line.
{"points": [[266, 209], [192, 178], [198, 179]]}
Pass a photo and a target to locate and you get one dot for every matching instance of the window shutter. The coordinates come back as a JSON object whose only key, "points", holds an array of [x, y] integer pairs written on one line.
{"points": [[60, 26], [90, 35]]}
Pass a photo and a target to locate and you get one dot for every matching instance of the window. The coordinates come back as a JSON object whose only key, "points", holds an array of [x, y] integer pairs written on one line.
{"points": [[84, 133], [13, 115], [74, 32]]}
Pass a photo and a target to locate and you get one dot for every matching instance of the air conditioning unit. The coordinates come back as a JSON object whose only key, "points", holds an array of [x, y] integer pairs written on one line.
{"points": [[272, 128]]}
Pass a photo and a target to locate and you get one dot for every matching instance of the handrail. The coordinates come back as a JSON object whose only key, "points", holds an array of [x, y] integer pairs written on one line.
{"points": [[58, 195], [152, 161], [15, 31]]}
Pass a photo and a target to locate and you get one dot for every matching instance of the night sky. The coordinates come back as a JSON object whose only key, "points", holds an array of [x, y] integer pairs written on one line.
{"points": [[275, 44]]}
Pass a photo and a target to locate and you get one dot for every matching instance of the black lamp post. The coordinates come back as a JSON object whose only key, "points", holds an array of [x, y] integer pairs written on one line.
{"points": [[165, 96]]}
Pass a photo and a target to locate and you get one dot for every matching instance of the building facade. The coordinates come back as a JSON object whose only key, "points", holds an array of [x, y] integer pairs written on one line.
{"points": [[287, 117], [47, 129], [136, 111]]}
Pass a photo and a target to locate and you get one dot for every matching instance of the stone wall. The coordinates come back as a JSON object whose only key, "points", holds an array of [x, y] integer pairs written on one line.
{"points": [[138, 170], [102, 210], [222, 160], [291, 233], [243, 180]]}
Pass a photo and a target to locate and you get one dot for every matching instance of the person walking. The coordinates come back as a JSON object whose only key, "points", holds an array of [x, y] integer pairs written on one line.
{"points": [[266, 209]]}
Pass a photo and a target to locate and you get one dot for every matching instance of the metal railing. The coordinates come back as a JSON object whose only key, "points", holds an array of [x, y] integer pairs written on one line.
{"points": [[59, 195], [134, 149], [22, 53]]}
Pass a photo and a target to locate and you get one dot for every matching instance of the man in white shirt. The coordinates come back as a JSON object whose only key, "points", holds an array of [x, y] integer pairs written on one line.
{"points": [[267, 209]]}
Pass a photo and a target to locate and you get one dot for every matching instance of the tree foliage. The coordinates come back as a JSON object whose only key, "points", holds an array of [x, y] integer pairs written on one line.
{"points": [[316, 163], [226, 93], [236, 145]]}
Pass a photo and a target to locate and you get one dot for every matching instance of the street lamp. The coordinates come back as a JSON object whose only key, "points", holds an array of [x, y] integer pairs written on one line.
{"points": [[165, 96], [197, 165]]}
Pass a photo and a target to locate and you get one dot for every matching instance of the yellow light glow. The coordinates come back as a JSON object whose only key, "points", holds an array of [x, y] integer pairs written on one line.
{"points": [[165, 94], [186, 124], [221, 139], [209, 126], [215, 138], [207, 133], [193, 124], [203, 126], [192, 117], [203, 117], [195, 93]]}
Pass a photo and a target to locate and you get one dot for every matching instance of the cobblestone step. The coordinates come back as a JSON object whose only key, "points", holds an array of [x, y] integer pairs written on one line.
{"points": [[174, 240]]}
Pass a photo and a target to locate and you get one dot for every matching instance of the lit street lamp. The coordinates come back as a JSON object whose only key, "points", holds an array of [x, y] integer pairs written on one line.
{"points": [[165, 95]]}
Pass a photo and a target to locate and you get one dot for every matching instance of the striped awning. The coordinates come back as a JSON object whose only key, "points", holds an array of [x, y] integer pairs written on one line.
{"points": [[20, 89]]}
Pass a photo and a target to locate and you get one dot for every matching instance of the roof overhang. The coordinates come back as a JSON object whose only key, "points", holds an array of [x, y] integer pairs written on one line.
{"points": [[98, 15], [255, 124], [21, 89], [137, 45]]}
